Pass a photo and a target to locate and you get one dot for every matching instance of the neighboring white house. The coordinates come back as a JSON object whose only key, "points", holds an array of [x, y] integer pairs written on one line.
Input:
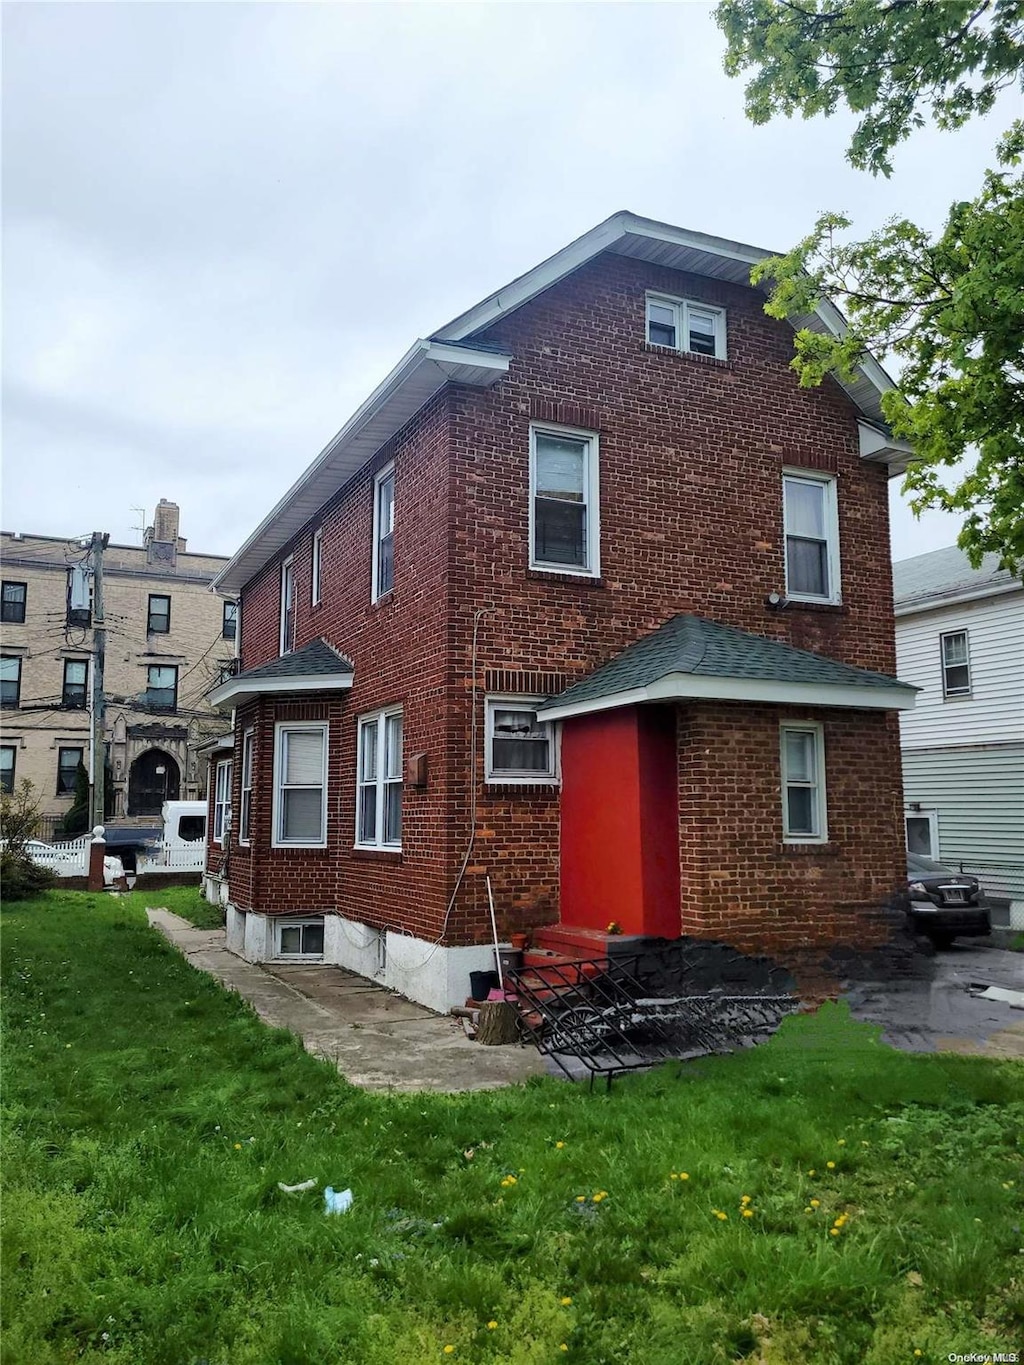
{"points": [[960, 638]]}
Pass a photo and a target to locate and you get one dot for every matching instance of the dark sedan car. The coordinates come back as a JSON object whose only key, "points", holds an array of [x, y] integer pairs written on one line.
{"points": [[944, 904]]}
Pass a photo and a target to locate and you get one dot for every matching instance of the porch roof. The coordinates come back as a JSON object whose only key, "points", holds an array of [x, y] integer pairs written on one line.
{"points": [[690, 658], [316, 667]]}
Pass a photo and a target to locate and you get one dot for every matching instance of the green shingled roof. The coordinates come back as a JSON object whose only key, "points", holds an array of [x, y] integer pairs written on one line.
{"points": [[703, 649]]}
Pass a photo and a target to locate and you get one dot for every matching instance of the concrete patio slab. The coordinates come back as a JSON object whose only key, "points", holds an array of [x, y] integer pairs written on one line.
{"points": [[376, 1039]]}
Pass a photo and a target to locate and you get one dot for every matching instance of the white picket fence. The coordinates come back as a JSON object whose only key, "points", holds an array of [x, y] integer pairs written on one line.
{"points": [[70, 859], [165, 858]]}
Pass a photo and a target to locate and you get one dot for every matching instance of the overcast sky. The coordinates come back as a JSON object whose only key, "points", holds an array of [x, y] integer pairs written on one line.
{"points": [[224, 223]]}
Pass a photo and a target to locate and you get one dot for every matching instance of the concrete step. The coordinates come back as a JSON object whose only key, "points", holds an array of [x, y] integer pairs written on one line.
{"points": [[572, 944]]}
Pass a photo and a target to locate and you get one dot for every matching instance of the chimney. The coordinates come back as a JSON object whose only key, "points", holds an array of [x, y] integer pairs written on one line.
{"points": [[162, 539]]}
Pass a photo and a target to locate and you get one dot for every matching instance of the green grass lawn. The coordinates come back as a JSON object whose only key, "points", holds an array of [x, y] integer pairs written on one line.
{"points": [[186, 901], [149, 1118]]}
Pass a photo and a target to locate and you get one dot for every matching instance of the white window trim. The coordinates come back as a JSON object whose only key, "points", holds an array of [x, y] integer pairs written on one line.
{"points": [[279, 731], [315, 566], [499, 776], [385, 473], [287, 564], [681, 309], [593, 503], [816, 729], [959, 694], [932, 816], [222, 800], [244, 808], [380, 719], [830, 483], [290, 922]]}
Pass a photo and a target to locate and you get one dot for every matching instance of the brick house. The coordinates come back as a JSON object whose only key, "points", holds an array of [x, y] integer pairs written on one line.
{"points": [[589, 599]]}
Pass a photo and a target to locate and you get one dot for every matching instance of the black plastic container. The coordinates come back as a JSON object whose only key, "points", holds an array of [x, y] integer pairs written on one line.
{"points": [[482, 983]]}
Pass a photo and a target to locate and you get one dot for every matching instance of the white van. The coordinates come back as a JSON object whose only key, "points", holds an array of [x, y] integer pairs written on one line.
{"points": [[184, 823]]}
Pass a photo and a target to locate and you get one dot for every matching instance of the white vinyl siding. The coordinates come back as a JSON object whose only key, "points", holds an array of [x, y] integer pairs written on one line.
{"points": [[379, 781], [994, 710], [245, 799], [811, 517], [804, 818], [685, 325], [565, 530], [300, 785], [222, 801]]}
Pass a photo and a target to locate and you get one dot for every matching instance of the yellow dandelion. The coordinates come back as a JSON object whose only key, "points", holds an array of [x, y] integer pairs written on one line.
{"points": [[748, 1213], [684, 1175], [581, 1199], [841, 1142], [565, 1302], [238, 1146], [559, 1146], [720, 1215], [672, 1176], [831, 1165], [745, 1199], [917, 1350], [815, 1203], [449, 1350], [812, 1172], [808, 1209], [491, 1325], [834, 1232], [563, 1347]]}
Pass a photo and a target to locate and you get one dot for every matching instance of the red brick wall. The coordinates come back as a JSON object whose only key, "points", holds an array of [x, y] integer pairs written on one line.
{"points": [[691, 452]]}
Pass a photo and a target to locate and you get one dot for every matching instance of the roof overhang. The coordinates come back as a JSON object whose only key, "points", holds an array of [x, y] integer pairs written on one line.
{"points": [[213, 746], [911, 606], [881, 447], [679, 249], [418, 376], [238, 691], [691, 687]]}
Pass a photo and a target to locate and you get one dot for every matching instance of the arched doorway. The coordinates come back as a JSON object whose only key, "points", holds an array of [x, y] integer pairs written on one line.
{"points": [[154, 779]]}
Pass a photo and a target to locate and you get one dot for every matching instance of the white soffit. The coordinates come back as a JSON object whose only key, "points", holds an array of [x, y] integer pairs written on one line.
{"points": [[237, 691], [421, 372]]}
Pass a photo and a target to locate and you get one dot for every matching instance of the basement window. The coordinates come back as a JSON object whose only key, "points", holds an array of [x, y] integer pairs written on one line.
{"points": [[300, 939]]}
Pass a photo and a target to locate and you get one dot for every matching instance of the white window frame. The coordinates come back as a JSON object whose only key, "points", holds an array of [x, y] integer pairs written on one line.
{"points": [[289, 922], [820, 803], [222, 800], [314, 567], [245, 791], [959, 692], [932, 816], [592, 505], [280, 730], [287, 575], [381, 477], [830, 484], [506, 777], [681, 309], [380, 782]]}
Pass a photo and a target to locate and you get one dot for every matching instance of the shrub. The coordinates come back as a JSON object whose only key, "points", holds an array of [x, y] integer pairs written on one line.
{"points": [[22, 879]]}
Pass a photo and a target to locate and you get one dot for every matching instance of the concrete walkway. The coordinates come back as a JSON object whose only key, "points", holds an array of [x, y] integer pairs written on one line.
{"points": [[376, 1039]]}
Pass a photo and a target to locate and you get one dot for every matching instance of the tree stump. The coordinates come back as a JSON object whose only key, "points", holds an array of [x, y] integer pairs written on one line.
{"points": [[498, 1023]]}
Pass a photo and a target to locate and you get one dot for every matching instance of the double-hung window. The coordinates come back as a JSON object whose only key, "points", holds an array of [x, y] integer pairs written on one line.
{"points": [[684, 325], [245, 799], [520, 747], [229, 625], [158, 620], [956, 665], [8, 762], [13, 604], [161, 687], [379, 795], [287, 641], [564, 499], [222, 800], [314, 568], [804, 817], [10, 681], [76, 672], [300, 785], [812, 537], [68, 763], [383, 532]]}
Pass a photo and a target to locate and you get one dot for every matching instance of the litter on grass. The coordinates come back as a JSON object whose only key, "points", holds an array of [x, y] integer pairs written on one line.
{"points": [[337, 1201], [297, 1189]]}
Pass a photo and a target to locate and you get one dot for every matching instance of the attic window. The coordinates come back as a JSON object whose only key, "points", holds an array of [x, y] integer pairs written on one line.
{"points": [[683, 325]]}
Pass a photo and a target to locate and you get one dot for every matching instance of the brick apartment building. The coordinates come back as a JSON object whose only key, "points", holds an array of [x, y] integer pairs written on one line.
{"points": [[588, 598], [168, 638]]}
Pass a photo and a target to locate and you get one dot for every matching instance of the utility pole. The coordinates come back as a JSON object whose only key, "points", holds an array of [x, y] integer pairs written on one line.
{"points": [[100, 540]]}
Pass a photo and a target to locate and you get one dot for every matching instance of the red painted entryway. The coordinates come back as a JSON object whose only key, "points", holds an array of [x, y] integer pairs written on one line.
{"points": [[620, 821]]}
